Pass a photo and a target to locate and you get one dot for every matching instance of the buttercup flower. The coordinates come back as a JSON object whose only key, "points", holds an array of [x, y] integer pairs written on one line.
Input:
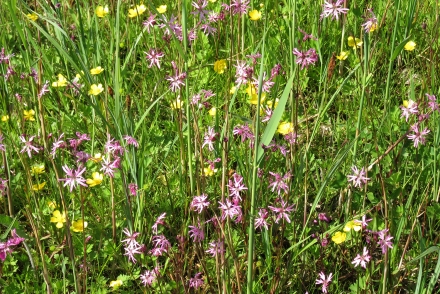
{"points": [[29, 115], [32, 16], [285, 128], [62, 82], [176, 104], [255, 15], [96, 70], [343, 55], [96, 158], [354, 42], [5, 118], [410, 46], [354, 224], [212, 111], [339, 237], [101, 11], [38, 187], [58, 218], [78, 226], [37, 169], [208, 171], [95, 89], [96, 179], [162, 9], [251, 90], [115, 284], [220, 66], [138, 10]]}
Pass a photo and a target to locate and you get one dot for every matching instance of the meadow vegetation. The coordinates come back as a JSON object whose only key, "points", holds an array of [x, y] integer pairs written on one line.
{"points": [[235, 146]]}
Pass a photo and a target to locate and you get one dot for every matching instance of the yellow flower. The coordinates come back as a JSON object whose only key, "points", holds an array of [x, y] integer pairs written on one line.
{"points": [[115, 284], [285, 128], [176, 104], [270, 103], [220, 66], [101, 11], [37, 169], [38, 187], [138, 10], [208, 171], [255, 15], [5, 118], [408, 103], [96, 89], [232, 90], [212, 111], [96, 70], [253, 96], [339, 237], [96, 158], [78, 226], [51, 204], [354, 42], [373, 27], [343, 55], [162, 9], [32, 16], [354, 224], [212, 1], [29, 115], [58, 218], [97, 179], [410, 46], [62, 82]]}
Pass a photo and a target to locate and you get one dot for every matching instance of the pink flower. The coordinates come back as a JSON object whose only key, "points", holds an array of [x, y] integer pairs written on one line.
{"points": [[228, 209], [306, 58], [261, 220], [153, 56], [74, 177], [236, 186], [209, 138], [417, 136], [279, 183], [196, 282], [199, 6], [133, 188], [283, 211], [58, 144], [410, 108], [28, 147], [131, 141], [150, 22], [362, 259], [432, 104], [333, 9], [359, 177], [149, 277], [370, 23], [215, 248], [177, 80], [159, 221], [325, 281], [196, 233], [199, 203], [2, 146], [384, 240]]}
